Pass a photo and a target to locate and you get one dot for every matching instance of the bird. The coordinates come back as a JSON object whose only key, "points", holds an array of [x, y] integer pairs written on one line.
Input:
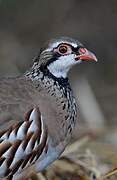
{"points": [[38, 110]]}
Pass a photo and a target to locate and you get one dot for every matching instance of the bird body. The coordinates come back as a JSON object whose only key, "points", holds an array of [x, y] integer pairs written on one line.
{"points": [[44, 94]]}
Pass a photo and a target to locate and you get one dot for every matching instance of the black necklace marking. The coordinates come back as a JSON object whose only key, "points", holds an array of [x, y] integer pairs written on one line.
{"points": [[62, 81]]}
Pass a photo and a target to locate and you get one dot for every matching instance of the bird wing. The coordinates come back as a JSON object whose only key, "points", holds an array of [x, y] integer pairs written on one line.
{"points": [[19, 95], [23, 140], [22, 137], [22, 143]]}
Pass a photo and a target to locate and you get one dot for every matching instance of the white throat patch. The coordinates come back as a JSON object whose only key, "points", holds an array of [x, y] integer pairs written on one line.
{"points": [[61, 66]]}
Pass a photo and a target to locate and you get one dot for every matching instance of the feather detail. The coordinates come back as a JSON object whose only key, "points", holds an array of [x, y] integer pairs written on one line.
{"points": [[22, 144]]}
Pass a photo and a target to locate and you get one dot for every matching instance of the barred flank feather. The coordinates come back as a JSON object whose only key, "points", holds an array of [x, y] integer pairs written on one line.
{"points": [[22, 144]]}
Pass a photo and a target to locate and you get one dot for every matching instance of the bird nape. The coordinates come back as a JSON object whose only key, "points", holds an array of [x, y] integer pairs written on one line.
{"points": [[33, 141]]}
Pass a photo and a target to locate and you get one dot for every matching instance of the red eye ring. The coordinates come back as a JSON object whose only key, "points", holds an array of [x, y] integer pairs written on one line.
{"points": [[63, 49]]}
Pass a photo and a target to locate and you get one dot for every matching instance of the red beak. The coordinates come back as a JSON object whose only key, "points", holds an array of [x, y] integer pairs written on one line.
{"points": [[86, 55]]}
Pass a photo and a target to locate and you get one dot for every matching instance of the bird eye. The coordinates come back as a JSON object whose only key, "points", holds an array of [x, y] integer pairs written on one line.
{"points": [[63, 49]]}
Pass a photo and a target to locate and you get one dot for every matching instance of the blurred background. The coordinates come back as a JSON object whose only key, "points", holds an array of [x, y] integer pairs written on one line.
{"points": [[25, 25]]}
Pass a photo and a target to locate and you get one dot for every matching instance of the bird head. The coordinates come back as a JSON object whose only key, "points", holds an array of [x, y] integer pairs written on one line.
{"points": [[61, 54]]}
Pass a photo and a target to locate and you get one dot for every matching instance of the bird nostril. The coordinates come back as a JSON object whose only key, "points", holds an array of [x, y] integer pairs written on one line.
{"points": [[82, 50]]}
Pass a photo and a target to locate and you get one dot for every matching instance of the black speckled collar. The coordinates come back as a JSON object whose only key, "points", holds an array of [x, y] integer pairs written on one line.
{"points": [[62, 81]]}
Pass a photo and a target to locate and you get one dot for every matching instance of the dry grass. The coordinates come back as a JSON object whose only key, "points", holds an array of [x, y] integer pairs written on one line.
{"points": [[89, 158]]}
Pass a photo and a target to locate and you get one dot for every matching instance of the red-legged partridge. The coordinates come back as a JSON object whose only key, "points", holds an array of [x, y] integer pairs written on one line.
{"points": [[38, 110]]}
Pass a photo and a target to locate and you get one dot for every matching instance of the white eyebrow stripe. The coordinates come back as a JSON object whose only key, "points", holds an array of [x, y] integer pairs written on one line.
{"points": [[74, 45], [54, 45]]}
